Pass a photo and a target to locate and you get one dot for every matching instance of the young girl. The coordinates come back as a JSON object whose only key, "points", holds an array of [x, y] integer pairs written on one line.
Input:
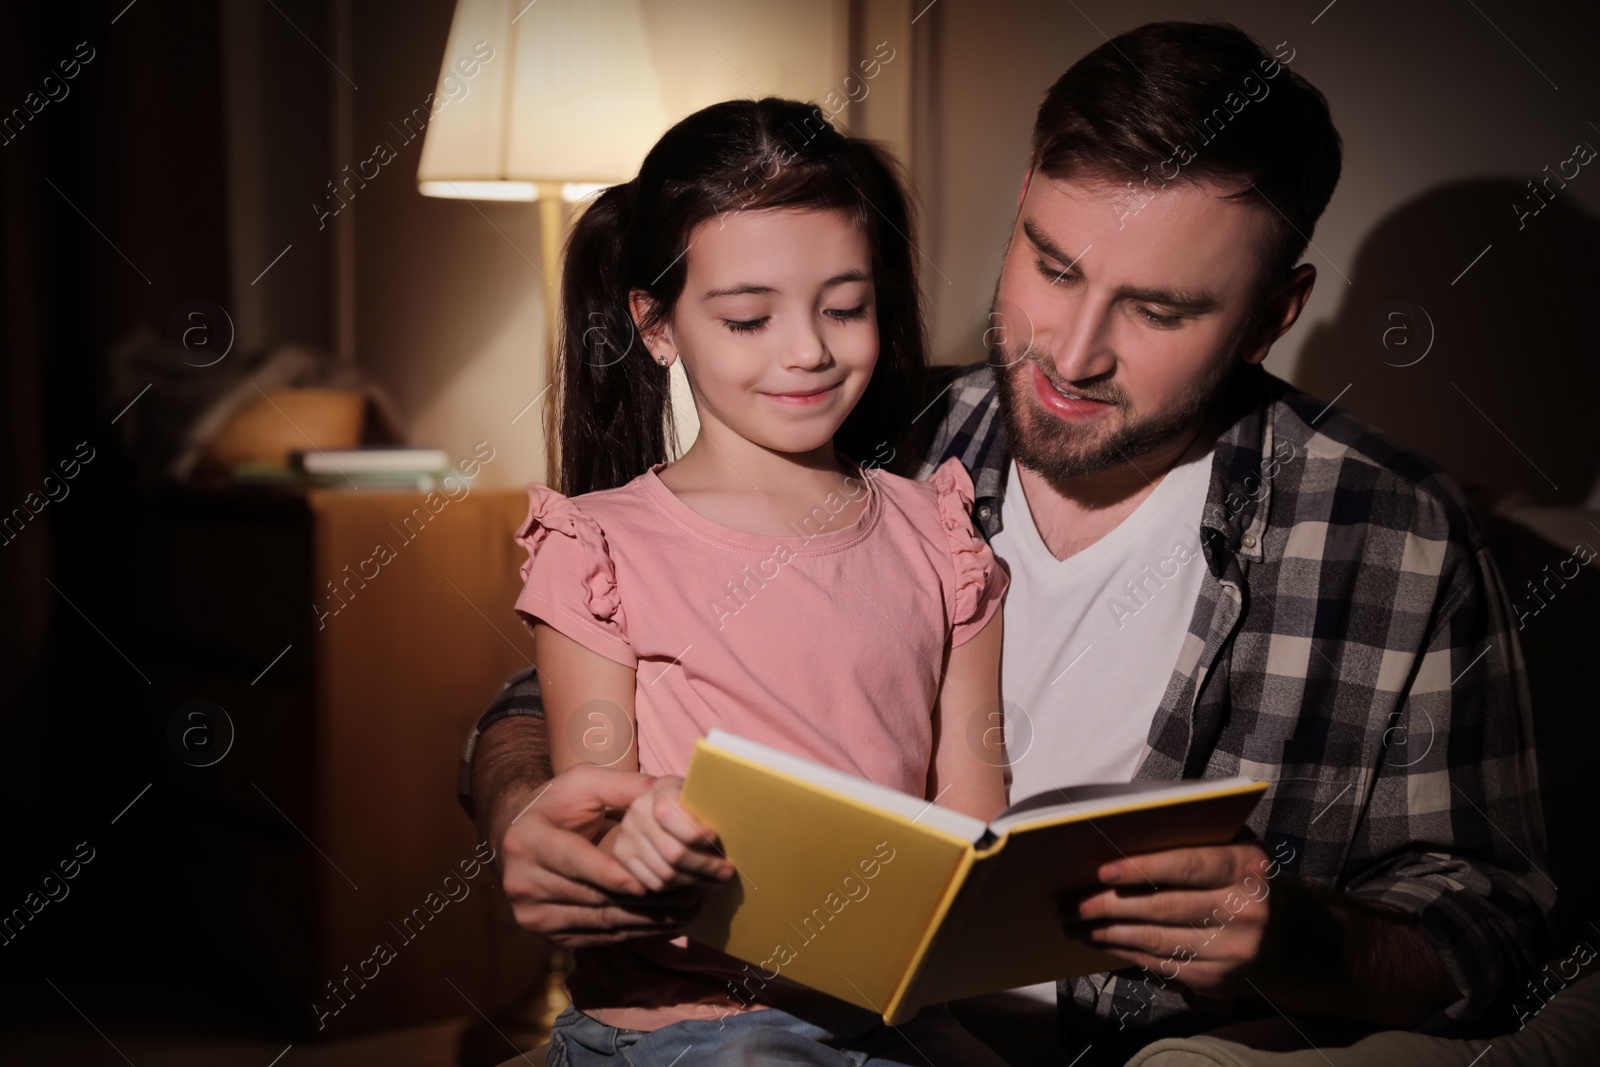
{"points": [[771, 581]]}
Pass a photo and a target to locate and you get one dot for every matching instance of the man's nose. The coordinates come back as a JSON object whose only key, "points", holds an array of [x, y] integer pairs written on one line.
{"points": [[1080, 342]]}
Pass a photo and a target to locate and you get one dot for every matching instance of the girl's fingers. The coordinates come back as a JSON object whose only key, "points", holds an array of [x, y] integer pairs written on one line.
{"points": [[699, 865], [691, 858], [632, 854], [650, 844], [662, 836], [670, 854], [674, 820], [642, 871], [693, 850]]}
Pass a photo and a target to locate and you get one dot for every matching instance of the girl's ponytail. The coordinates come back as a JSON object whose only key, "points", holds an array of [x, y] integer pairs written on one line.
{"points": [[614, 412]]}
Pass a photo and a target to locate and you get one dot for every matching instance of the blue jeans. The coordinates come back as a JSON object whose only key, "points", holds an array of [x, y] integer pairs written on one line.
{"points": [[828, 1036]]}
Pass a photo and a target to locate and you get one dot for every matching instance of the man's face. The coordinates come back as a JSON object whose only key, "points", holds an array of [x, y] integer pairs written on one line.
{"points": [[1119, 318]]}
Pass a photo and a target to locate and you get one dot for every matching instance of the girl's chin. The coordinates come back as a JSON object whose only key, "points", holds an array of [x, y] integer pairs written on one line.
{"points": [[796, 444]]}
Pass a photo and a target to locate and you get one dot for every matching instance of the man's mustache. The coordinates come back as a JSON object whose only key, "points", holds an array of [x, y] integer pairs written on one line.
{"points": [[1104, 393]]}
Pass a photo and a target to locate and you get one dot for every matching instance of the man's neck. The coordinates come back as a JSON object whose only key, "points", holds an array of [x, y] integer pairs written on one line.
{"points": [[1073, 516]]}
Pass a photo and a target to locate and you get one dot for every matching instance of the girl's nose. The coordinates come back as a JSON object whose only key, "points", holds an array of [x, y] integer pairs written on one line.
{"points": [[808, 351]]}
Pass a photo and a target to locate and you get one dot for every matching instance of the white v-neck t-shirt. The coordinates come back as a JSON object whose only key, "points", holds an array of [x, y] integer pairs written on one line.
{"points": [[1090, 644], [1091, 640]]}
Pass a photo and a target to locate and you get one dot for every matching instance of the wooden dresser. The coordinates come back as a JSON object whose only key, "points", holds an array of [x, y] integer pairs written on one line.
{"points": [[322, 868]]}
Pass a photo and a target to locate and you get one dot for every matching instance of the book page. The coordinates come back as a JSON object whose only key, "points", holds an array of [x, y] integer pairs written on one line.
{"points": [[1004, 929], [1089, 801]]}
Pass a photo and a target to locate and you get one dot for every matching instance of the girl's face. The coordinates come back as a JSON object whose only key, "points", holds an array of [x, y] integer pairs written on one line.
{"points": [[775, 326]]}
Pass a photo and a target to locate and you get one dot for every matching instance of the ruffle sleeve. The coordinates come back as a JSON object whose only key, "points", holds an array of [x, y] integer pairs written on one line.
{"points": [[980, 580], [569, 578]]}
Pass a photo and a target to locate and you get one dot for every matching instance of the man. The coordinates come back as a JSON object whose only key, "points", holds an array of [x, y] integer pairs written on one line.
{"points": [[1212, 574]]}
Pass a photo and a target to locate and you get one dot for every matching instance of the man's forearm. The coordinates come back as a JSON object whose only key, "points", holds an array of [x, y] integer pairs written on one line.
{"points": [[1345, 958], [510, 764]]}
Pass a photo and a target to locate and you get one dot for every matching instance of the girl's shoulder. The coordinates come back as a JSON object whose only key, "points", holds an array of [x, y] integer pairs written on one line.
{"points": [[619, 501], [604, 510], [949, 486], [939, 507], [940, 510]]}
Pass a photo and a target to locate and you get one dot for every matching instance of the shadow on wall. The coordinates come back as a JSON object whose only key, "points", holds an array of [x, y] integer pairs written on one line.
{"points": [[1488, 369], [1485, 367], [1557, 608]]}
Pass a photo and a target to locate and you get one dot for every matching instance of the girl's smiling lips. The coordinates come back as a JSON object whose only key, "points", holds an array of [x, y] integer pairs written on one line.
{"points": [[813, 397]]}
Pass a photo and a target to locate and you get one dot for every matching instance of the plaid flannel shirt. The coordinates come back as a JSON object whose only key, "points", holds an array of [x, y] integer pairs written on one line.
{"points": [[1351, 646]]}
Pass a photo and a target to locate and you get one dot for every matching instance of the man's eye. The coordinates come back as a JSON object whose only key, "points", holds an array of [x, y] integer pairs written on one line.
{"points": [[747, 325], [846, 314], [1154, 319], [1055, 276]]}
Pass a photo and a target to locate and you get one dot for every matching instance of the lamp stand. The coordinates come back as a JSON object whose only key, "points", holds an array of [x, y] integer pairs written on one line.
{"points": [[552, 228]]}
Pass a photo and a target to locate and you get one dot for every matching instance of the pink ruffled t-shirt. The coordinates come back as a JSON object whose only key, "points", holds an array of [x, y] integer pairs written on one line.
{"points": [[826, 644]]}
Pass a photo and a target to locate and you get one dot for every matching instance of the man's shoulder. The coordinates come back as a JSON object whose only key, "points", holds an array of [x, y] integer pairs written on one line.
{"points": [[968, 384], [963, 414], [1352, 472]]}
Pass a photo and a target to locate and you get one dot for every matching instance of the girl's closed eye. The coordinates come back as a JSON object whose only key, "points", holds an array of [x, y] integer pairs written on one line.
{"points": [[756, 325]]}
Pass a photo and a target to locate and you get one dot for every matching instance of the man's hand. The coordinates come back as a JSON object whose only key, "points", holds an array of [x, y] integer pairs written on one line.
{"points": [[663, 846], [560, 884], [1197, 915], [1216, 920]]}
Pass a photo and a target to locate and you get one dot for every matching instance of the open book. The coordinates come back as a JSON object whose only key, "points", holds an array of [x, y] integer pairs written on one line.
{"points": [[890, 902]]}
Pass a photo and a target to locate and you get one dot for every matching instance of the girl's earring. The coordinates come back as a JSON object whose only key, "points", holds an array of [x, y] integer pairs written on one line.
{"points": [[661, 360]]}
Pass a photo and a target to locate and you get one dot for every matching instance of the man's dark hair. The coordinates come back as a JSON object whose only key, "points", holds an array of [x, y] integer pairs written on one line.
{"points": [[1196, 102]]}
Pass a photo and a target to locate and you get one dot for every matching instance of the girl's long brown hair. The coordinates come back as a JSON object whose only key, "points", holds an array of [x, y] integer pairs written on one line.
{"points": [[613, 416]]}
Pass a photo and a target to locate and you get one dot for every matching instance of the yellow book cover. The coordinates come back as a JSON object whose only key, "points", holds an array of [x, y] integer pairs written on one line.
{"points": [[891, 902]]}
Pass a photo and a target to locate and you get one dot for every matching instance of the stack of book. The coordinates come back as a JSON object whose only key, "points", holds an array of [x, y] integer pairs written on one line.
{"points": [[372, 467]]}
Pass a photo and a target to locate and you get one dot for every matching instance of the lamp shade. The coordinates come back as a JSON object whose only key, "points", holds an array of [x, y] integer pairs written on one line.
{"points": [[576, 91]]}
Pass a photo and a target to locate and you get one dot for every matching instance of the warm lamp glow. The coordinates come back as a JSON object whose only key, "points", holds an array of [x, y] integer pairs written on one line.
{"points": [[576, 93], [467, 189], [571, 192]]}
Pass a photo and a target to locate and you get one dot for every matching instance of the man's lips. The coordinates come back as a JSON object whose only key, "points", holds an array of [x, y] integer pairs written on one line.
{"points": [[1064, 404]]}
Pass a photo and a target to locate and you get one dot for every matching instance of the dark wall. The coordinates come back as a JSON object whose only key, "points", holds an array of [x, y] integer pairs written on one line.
{"points": [[114, 212]]}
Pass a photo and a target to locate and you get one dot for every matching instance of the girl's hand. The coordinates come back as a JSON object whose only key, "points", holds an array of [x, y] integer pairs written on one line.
{"points": [[662, 845]]}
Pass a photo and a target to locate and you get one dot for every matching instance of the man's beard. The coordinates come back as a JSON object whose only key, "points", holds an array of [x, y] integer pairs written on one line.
{"points": [[1061, 452]]}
